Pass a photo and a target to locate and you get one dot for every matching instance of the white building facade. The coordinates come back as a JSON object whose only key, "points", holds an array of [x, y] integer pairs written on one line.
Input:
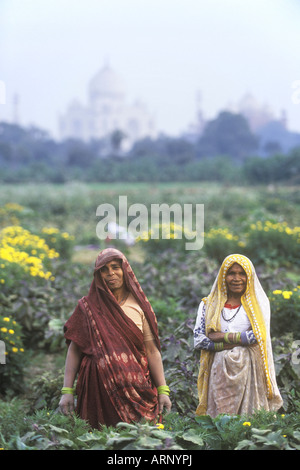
{"points": [[107, 111]]}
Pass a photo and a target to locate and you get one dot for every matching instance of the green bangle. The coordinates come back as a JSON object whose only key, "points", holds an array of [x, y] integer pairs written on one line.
{"points": [[226, 338], [219, 346], [238, 337], [66, 390], [163, 390]]}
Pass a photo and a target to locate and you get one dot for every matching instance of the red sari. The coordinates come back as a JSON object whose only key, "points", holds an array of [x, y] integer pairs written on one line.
{"points": [[114, 382]]}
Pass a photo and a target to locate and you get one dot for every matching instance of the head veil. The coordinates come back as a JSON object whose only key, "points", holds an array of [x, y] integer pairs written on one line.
{"points": [[257, 307], [100, 293]]}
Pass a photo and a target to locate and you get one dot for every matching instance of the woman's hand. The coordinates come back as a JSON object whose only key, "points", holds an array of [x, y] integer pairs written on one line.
{"points": [[216, 336], [164, 402], [66, 404]]}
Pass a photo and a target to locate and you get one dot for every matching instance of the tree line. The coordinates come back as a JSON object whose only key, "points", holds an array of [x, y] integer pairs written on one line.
{"points": [[227, 151]]}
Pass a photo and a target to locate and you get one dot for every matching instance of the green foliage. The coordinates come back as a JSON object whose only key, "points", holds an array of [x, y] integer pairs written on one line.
{"points": [[174, 281], [45, 391], [286, 359], [11, 373], [47, 430], [285, 306], [273, 243], [228, 134], [220, 242], [223, 153], [62, 242]]}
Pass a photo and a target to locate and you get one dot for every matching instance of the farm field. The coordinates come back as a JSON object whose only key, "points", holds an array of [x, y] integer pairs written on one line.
{"points": [[55, 226]]}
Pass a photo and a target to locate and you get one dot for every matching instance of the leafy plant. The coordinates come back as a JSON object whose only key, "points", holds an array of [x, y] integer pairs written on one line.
{"points": [[11, 373], [285, 307]]}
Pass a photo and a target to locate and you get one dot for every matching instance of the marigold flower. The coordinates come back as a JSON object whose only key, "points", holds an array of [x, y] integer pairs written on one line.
{"points": [[160, 426], [287, 294], [246, 423]]}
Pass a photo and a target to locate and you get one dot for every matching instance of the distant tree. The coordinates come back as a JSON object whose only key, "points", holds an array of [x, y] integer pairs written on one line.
{"points": [[164, 149], [116, 140], [80, 155], [5, 152], [228, 134], [271, 147]]}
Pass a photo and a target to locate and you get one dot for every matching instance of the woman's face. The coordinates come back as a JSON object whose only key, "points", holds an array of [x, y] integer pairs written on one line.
{"points": [[112, 274], [236, 280]]}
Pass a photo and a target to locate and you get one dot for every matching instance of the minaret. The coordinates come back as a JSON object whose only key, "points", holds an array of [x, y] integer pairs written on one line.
{"points": [[283, 118], [199, 114], [16, 103]]}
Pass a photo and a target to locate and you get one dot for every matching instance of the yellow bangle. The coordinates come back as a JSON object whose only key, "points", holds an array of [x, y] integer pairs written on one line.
{"points": [[163, 390], [66, 390]]}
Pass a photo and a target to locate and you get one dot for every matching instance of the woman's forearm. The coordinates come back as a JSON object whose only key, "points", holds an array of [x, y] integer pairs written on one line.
{"points": [[155, 364], [73, 360], [156, 369]]}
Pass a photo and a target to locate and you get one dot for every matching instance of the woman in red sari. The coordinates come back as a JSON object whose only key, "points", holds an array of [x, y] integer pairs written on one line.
{"points": [[115, 350]]}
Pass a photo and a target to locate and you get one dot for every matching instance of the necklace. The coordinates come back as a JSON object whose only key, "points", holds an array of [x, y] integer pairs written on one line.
{"points": [[233, 316], [123, 300]]}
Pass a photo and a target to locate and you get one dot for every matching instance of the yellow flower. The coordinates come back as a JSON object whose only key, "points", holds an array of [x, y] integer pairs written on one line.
{"points": [[15, 350], [3, 329], [160, 426], [287, 294], [6, 319], [246, 423], [11, 332], [21, 247]]}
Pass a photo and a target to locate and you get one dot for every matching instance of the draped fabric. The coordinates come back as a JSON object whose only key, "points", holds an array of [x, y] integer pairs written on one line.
{"points": [[237, 384], [257, 306], [114, 382]]}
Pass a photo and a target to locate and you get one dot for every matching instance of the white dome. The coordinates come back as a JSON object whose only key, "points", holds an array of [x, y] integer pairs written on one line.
{"points": [[106, 83], [248, 102]]}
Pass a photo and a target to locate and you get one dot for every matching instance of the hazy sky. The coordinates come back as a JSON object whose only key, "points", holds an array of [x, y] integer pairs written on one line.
{"points": [[165, 50]]}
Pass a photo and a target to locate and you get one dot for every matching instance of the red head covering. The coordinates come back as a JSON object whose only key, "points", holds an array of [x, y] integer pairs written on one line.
{"points": [[100, 293]]}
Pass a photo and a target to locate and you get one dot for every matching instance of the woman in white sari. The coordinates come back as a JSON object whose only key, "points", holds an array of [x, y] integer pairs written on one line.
{"points": [[236, 374]]}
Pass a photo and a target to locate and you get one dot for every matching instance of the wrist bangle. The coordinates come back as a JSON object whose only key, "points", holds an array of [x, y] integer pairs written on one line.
{"points": [[163, 390], [219, 346], [66, 390], [226, 338]]}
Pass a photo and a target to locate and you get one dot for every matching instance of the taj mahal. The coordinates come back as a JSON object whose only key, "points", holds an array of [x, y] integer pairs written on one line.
{"points": [[106, 111]]}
